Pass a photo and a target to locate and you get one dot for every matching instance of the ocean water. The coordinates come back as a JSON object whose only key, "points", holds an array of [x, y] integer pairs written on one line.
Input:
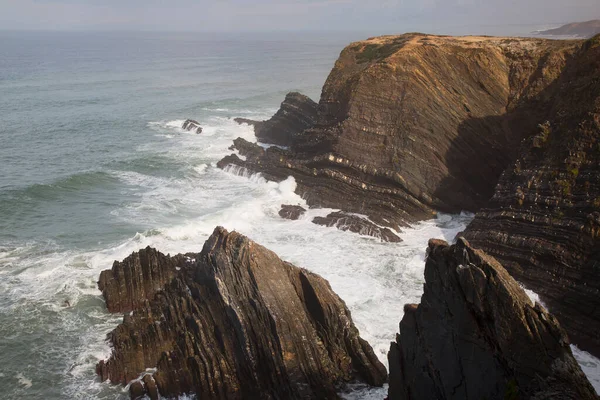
{"points": [[95, 166]]}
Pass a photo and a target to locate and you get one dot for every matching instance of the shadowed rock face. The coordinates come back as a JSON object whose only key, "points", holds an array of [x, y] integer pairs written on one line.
{"points": [[236, 322], [543, 222], [412, 124], [477, 335], [296, 114]]}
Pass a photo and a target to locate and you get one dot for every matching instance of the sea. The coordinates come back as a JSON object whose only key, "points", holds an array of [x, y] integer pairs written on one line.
{"points": [[94, 166]]}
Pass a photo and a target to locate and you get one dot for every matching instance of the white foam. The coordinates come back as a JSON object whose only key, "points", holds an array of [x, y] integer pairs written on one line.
{"points": [[24, 381]]}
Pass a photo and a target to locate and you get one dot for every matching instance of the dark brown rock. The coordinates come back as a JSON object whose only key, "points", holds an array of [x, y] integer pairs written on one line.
{"points": [[413, 124], [357, 224], [541, 223], [291, 212], [136, 390], [296, 114], [191, 125], [236, 322], [477, 335], [151, 388], [130, 283]]}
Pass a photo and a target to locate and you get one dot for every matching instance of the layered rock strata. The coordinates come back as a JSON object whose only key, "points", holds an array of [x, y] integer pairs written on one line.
{"points": [[234, 322], [296, 114], [543, 222], [407, 125], [477, 335], [357, 224]]}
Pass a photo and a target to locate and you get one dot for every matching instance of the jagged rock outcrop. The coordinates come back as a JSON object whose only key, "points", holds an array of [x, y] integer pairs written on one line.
{"points": [[236, 322], [543, 222], [291, 212], [585, 29], [296, 114], [136, 279], [357, 224], [477, 335], [412, 124], [191, 125]]}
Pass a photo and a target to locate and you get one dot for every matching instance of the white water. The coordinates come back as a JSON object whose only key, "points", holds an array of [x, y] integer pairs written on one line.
{"points": [[375, 279]]}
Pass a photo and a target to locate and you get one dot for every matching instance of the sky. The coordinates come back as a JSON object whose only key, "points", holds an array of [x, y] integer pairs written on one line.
{"points": [[378, 16]]}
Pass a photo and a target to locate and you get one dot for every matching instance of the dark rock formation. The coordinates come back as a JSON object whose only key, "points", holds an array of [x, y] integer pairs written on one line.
{"points": [[408, 125], [297, 113], [543, 222], [357, 224], [236, 322], [476, 335], [191, 125], [291, 212], [582, 29], [130, 283]]}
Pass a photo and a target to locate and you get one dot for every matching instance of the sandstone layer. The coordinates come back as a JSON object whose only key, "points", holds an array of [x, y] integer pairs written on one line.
{"points": [[543, 222], [412, 124], [233, 322], [477, 335]]}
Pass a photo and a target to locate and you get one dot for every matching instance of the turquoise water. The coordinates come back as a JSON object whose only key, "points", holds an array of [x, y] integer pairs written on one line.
{"points": [[95, 166]]}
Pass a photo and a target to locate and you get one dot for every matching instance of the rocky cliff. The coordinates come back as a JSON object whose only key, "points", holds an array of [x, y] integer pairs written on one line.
{"points": [[543, 222], [412, 124], [477, 335], [232, 322]]}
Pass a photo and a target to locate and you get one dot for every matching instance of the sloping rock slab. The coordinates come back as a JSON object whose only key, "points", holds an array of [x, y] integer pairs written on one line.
{"points": [[237, 322], [477, 335], [356, 224]]}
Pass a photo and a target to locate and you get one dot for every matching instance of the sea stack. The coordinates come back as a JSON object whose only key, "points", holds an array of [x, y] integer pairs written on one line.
{"points": [[477, 335], [234, 322]]}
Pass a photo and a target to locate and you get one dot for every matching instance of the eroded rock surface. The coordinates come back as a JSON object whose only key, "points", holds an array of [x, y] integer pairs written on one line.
{"points": [[296, 114], [477, 335], [236, 322], [543, 222], [412, 124], [192, 126], [357, 224], [291, 212]]}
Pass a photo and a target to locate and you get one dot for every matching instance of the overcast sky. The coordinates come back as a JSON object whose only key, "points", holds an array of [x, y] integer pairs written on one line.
{"points": [[289, 15]]}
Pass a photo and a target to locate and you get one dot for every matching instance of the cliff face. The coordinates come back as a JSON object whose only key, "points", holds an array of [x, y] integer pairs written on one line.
{"points": [[233, 322], [476, 335], [543, 222], [411, 124]]}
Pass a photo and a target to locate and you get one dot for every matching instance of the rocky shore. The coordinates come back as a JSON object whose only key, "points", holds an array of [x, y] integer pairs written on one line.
{"points": [[231, 322], [406, 126]]}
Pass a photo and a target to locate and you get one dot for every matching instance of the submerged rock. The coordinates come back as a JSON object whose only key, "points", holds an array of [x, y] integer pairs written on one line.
{"points": [[291, 212], [477, 335], [191, 125], [357, 224], [234, 322]]}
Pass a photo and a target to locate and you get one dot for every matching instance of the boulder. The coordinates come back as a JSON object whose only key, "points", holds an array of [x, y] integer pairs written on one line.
{"points": [[477, 335], [236, 322], [191, 126], [291, 212]]}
